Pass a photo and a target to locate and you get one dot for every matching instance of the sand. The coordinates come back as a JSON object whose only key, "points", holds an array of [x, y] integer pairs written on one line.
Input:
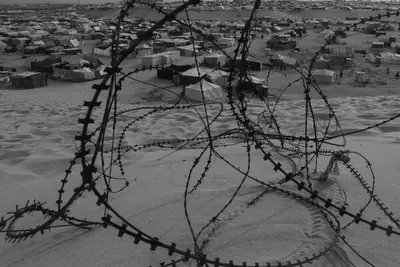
{"points": [[37, 129]]}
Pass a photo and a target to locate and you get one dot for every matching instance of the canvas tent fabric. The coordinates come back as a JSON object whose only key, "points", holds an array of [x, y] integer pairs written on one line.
{"points": [[218, 77], [256, 80], [192, 76], [211, 92]]}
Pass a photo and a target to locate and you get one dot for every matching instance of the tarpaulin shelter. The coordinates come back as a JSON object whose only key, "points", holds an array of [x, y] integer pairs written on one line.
{"points": [[168, 73], [255, 84], [45, 65]]}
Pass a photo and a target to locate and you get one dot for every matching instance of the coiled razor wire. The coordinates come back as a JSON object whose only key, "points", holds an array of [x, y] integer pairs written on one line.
{"points": [[275, 146]]}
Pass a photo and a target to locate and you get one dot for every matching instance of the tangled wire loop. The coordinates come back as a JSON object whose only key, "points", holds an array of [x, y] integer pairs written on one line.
{"points": [[275, 146]]}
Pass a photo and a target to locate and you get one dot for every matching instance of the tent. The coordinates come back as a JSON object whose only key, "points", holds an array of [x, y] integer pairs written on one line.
{"points": [[193, 75], [324, 76], [212, 92], [2, 46], [218, 77]]}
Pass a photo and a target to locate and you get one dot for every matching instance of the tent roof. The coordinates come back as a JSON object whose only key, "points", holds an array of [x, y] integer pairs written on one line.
{"points": [[193, 72], [324, 72], [203, 84], [218, 73]]}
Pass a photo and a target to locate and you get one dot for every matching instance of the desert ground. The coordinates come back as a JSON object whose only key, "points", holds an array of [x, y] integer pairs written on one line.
{"points": [[37, 142]]}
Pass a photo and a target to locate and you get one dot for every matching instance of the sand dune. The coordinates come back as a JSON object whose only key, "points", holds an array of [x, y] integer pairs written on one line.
{"points": [[37, 129]]}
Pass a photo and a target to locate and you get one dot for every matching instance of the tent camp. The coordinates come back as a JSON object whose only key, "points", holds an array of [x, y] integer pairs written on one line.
{"points": [[324, 76], [211, 92]]}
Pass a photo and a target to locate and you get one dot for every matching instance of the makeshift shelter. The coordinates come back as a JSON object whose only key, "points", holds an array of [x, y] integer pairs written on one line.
{"points": [[321, 63], [45, 65], [160, 58], [250, 62], [193, 75], [188, 51], [104, 50], [29, 80], [30, 50], [60, 71], [214, 60], [384, 58], [324, 76], [168, 73], [4, 77], [143, 50], [254, 84], [211, 92]]}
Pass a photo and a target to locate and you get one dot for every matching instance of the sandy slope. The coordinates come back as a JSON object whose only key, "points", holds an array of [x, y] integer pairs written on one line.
{"points": [[37, 129]]}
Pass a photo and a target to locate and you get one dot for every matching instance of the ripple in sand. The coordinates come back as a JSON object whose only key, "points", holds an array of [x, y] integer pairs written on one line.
{"points": [[184, 118], [389, 128], [322, 116], [223, 126], [23, 136], [12, 154], [177, 130], [362, 134], [225, 119], [14, 140], [55, 140], [369, 116], [44, 166], [19, 111], [39, 132], [134, 130], [14, 161]]}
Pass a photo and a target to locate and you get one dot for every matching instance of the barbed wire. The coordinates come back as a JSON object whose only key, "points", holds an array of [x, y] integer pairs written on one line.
{"points": [[275, 146]]}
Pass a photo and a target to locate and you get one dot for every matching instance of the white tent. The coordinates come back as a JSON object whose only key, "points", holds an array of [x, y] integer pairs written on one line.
{"points": [[212, 92], [2, 46], [219, 77]]}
